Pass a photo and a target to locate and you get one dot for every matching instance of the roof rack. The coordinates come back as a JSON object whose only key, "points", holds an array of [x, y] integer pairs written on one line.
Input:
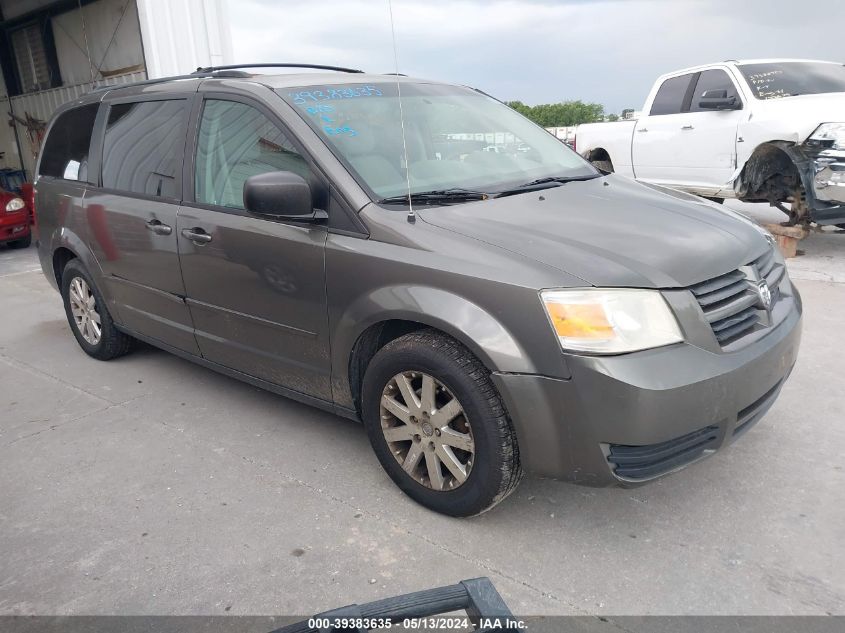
{"points": [[147, 82], [340, 69], [222, 72]]}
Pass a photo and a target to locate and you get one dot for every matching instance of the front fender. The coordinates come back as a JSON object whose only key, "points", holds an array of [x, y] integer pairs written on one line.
{"points": [[483, 334]]}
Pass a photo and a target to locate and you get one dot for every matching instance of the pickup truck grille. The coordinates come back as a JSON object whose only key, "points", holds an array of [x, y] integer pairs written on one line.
{"points": [[731, 302]]}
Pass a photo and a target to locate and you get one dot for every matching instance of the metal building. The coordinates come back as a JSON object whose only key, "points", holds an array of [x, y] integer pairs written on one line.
{"points": [[52, 51]]}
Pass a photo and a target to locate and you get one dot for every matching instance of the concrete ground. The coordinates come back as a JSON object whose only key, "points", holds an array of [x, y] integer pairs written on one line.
{"points": [[149, 485]]}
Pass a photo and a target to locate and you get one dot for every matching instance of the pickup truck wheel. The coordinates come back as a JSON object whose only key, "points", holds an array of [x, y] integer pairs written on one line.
{"points": [[438, 426], [88, 317]]}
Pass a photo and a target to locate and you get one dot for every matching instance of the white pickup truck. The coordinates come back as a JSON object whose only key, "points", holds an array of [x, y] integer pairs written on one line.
{"points": [[758, 130]]}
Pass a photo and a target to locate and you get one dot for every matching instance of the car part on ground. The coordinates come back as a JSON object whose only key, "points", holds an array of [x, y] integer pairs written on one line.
{"points": [[485, 611]]}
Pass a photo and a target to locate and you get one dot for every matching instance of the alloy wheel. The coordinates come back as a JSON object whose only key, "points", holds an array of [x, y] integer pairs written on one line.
{"points": [[83, 306], [427, 430]]}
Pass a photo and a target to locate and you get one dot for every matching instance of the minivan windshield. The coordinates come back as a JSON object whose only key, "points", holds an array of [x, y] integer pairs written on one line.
{"points": [[455, 138], [789, 79]]}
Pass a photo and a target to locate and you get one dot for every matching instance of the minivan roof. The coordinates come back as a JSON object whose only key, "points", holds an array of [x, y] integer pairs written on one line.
{"points": [[270, 80]]}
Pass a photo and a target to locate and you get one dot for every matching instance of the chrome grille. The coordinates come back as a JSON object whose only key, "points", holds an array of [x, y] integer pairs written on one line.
{"points": [[731, 303]]}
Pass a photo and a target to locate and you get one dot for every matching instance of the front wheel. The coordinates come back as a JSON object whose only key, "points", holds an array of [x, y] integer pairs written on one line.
{"points": [[438, 426]]}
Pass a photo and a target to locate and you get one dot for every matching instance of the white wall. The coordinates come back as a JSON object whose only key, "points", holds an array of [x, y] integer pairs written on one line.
{"points": [[103, 19], [180, 36]]}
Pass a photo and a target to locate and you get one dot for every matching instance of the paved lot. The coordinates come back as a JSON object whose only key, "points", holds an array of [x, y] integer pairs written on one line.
{"points": [[152, 485]]}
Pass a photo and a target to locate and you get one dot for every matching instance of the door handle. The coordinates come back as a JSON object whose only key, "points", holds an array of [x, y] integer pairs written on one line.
{"points": [[158, 228], [643, 129], [688, 127], [196, 235]]}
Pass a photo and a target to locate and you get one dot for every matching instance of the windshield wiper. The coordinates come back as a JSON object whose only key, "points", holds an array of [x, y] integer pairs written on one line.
{"points": [[437, 196], [544, 183]]}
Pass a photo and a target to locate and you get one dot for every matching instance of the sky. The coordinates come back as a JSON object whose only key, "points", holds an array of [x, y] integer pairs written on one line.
{"points": [[602, 51]]}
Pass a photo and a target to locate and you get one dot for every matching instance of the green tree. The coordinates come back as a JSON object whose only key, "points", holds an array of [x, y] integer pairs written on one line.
{"points": [[560, 114], [612, 117]]}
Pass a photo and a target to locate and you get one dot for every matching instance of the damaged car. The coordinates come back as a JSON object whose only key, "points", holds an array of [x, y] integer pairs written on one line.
{"points": [[758, 131]]}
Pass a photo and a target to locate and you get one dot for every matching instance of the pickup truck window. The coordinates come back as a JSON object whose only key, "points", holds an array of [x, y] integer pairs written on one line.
{"points": [[670, 97], [454, 137], [712, 80], [790, 79]]}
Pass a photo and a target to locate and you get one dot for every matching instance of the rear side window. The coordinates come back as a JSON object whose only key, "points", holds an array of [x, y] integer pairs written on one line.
{"points": [[670, 97], [65, 153], [712, 80], [143, 147], [237, 141]]}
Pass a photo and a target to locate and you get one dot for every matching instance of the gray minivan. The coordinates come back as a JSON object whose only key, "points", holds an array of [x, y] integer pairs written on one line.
{"points": [[351, 241]]}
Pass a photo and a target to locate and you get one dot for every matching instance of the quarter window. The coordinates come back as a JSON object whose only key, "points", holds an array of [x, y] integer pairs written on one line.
{"points": [[670, 97], [65, 153], [143, 147], [712, 80], [237, 141]]}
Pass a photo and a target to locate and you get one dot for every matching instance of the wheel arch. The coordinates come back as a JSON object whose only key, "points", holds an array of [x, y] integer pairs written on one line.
{"points": [[773, 169], [67, 242], [61, 257], [598, 153], [361, 332]]}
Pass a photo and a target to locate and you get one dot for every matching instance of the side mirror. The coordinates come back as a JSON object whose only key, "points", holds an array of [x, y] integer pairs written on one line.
{"points": [[718, 100], [283, 195]]}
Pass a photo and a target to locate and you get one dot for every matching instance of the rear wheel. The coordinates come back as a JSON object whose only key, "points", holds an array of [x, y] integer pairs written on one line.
{"points": [[438, 425], [88, 317]]}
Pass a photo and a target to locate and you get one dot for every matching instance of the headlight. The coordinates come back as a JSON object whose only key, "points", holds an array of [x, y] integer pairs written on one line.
{"points": [[829, 136], [610, 321], [15, 204]]}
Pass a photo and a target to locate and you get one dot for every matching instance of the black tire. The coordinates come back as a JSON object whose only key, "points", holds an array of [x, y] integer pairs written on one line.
{"points": [[112, 343], [841, 226], [496, 470], [22, 243], [603, 165]]}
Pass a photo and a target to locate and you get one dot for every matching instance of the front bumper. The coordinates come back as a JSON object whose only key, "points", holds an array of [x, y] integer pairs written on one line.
{"points": [[829, 176], [823, 175], [630, 418], [14, 231]]}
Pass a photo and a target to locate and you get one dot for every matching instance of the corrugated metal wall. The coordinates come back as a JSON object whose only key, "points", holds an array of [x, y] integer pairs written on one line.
{"points": [[41, 105], [109, 44]]}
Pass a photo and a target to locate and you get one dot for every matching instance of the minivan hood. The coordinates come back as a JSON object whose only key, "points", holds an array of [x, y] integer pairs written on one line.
{"points": [[611, 231]]}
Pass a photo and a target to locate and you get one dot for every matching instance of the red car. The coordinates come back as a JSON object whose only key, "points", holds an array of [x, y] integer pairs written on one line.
{"points": [[14, 221]]}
